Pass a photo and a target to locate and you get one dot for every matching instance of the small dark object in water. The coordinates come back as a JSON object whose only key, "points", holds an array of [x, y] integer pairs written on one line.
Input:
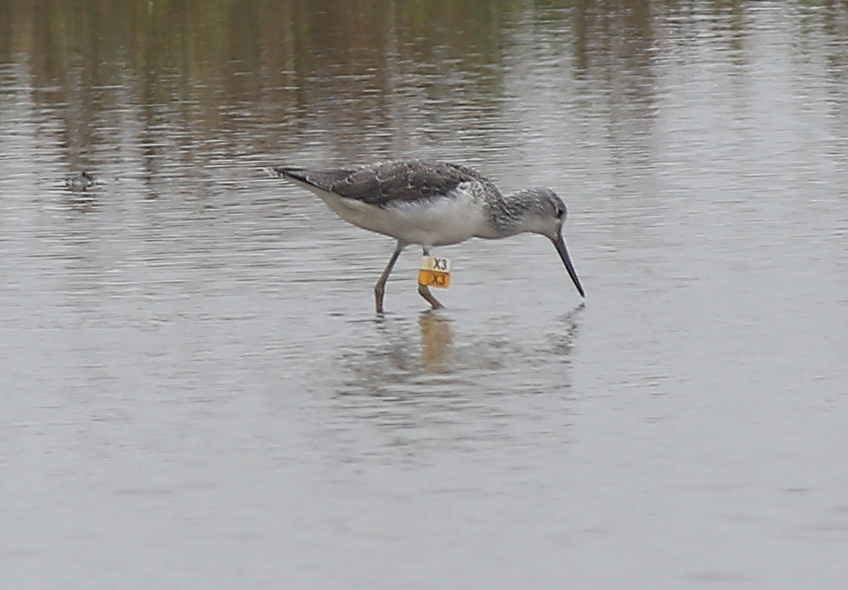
{"points": [[81, 182]]}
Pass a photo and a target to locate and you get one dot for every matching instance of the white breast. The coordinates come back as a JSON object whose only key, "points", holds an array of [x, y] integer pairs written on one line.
{"points": [[439, 221]]}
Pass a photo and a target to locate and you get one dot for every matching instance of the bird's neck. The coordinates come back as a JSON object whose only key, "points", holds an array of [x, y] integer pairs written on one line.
{"points": [[509, 216]]}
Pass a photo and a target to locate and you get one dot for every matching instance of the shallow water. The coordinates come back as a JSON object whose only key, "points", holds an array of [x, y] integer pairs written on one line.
{"points": [[197, 392]]}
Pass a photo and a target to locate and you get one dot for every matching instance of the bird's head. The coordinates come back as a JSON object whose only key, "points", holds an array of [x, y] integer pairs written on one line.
{"points": [[543, 212]]}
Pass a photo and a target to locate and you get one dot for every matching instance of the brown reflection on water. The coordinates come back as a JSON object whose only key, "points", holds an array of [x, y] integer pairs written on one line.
{"points": [[614, 60], [437, 350], [291, 66], [271, 75], [288, 76]]}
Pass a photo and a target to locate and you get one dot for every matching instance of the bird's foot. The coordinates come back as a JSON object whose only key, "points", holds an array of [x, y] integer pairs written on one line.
{"points": [[424, 291]]}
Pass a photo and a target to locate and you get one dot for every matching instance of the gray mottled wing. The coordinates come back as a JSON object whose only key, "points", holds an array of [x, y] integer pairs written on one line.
{"points": [[390, 182]]}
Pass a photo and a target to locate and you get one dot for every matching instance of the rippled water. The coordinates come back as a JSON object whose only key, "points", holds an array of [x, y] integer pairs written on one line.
{"points": [[197, 392]]}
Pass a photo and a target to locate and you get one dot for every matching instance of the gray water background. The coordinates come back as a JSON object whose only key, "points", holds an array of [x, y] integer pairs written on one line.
{"points": [[195, 391]]}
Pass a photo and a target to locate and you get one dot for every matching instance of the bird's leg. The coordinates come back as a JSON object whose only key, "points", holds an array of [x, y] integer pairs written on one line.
{"points": [[380, 287], [424, 290]]}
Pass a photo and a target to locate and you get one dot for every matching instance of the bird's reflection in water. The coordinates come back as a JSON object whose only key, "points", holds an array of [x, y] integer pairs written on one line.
{"points": [[437, 351], [398, 361], [409, 393]]}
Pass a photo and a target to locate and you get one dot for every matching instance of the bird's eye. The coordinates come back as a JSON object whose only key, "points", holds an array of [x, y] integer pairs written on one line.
{"points": [[560, 212]]}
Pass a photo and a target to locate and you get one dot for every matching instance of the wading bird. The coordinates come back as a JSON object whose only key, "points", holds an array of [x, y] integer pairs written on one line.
{"points": [[433, 204]]}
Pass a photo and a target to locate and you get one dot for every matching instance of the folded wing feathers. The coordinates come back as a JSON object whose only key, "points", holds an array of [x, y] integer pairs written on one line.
{"points": [[389, 182]]}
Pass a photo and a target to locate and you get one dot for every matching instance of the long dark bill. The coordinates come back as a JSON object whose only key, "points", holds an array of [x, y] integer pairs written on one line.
{"points": [[559, 242]]}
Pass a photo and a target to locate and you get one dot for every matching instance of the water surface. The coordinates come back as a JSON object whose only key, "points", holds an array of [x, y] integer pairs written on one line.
{"points": [[196, 391]]}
